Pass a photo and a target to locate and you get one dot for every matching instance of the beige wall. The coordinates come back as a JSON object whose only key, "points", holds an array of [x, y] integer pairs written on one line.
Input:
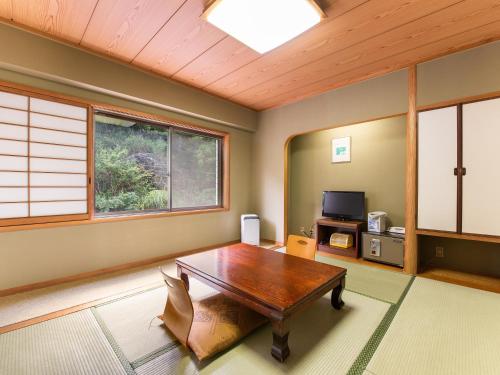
{"points": [[468, 73], [371, 99], [30, 256], [28, 53], [377, 167]]}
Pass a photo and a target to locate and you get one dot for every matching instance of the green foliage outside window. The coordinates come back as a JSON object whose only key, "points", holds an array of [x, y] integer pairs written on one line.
{"points": [[132, 169]]}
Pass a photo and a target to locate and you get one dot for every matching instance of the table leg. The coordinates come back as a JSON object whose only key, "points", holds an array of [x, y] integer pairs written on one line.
{"points": [[280, 349], [183, 276], [337, 302]]}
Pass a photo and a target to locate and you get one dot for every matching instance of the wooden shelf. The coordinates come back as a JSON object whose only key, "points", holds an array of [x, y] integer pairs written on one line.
{"points": [[325, 227], [470, 237], [336, 250], [489, 283]]}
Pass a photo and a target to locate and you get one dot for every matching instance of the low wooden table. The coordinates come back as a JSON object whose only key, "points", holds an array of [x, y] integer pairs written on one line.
{"points": [[273, 284]]}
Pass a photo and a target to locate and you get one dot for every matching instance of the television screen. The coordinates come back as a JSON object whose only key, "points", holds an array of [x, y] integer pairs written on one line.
{"points": [[345, 205]]}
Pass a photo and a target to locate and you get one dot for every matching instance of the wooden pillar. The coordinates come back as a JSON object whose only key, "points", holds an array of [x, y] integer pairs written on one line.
{"points": [[411, 244]]}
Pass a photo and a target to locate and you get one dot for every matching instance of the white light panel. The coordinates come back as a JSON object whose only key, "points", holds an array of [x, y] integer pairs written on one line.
{"points": [[263, 24]]}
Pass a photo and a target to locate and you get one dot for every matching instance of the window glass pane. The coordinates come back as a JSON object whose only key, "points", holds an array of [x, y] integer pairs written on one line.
{"points": [[131, 165], [195, 170]]}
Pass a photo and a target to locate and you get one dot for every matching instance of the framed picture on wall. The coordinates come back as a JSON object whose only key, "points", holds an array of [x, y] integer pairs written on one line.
{"points": [[341, 150]]}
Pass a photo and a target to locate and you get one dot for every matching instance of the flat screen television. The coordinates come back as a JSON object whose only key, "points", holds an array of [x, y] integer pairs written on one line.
{"points": [[344, 205]]}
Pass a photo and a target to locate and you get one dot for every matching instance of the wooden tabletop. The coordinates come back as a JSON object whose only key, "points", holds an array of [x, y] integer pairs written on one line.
{"points": [[277, 280]]}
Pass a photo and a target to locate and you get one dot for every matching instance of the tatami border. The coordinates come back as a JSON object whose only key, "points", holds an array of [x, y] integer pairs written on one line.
{"points": [[359, 365]]}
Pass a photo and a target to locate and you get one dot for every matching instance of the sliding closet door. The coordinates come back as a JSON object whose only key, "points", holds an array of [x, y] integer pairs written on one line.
{"points": [[437, 158], [481, 157]]}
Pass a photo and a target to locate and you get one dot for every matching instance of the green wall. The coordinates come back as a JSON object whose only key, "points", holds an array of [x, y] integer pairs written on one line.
{"points": [[377, 167]]}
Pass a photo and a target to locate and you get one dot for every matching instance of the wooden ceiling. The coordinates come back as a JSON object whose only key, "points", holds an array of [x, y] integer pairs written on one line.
{"points": [[359, 39]]}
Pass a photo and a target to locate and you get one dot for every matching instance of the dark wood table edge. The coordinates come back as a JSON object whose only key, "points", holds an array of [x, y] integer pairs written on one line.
{"points": [[279, 318]]}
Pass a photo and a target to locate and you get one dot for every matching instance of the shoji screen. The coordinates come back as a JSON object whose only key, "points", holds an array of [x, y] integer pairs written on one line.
{"points": [[43, 160], [481, 153], [437, 158]]}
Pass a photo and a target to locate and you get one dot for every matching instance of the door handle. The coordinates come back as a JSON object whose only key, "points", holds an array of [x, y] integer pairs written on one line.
{"points": [[461, 171]]}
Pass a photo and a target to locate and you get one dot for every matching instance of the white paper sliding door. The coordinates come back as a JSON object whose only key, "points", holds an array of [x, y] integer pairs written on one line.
{"points": [[437, 158], [43, 160], [481, 157]]}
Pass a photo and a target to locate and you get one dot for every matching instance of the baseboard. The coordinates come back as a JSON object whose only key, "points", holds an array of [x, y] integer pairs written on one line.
{"points": [[107, 270]]}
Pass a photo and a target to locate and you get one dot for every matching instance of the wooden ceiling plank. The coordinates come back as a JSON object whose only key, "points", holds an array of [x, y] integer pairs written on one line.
{"points": [[463, 40], [230, 54], [365, 21], [6, 9], [439, 25], [180, 41], [62, 18], [226, 56], [121, 28]]}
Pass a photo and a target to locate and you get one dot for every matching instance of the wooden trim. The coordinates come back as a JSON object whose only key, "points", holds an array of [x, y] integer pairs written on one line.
{"points": [[159, 119], [103, 271], [22, 223], [90, 163], [226, 185], [411, 245], [88, 275], [42, 94], [286, 189], [75, 221], [488, 283], [460, 178], [459, 236], [462, 100]]}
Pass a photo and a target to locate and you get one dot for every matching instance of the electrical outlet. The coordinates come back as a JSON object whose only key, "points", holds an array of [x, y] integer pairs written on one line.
{"points": [[439, 252], [302, 229]]}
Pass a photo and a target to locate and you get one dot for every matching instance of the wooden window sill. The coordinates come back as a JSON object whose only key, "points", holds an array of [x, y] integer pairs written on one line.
{"points": [[110, 219]]}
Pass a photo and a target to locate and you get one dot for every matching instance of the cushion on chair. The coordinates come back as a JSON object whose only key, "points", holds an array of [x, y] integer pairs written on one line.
{"points": [[218, 323]]}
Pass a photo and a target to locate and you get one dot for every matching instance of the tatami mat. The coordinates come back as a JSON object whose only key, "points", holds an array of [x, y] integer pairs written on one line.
{"points": [[73, 344], [177, 361], [373, 282], [23, 306], [131, 320], [442, 329], [322, 341]]}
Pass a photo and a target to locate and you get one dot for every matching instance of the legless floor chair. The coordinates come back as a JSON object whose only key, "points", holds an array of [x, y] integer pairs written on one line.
{"points": [[303, 247], [207, 326]]}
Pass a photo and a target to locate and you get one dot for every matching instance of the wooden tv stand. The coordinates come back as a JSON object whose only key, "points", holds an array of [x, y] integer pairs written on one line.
{"points": [[326, 226]]}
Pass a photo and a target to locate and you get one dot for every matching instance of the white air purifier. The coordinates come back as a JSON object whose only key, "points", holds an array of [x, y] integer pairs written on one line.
{"points": [[250, 229], [376, 221]]}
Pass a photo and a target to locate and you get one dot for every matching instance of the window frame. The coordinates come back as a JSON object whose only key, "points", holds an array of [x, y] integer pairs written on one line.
{"points": [[56, 98], [16, 224], [170, 128]]}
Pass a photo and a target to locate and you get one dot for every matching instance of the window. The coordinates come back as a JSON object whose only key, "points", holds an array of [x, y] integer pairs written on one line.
{"points": [[43, 160], [142, 166]]}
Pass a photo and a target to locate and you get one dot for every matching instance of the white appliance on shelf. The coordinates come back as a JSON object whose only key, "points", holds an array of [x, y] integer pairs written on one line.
{"points": [[376, 221], [250, 229]]}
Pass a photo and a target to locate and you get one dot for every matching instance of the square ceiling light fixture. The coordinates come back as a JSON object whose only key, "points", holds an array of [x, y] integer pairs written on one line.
{"points": [[263, 24]]}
